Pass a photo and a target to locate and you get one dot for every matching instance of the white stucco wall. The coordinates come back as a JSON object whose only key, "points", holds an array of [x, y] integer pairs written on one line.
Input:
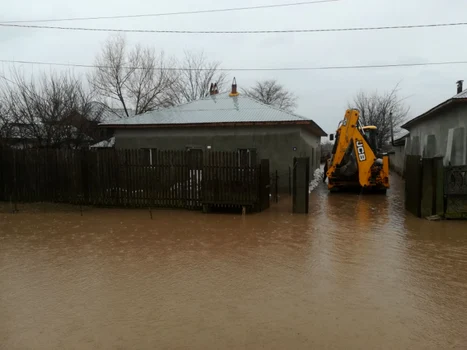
{"points": [[444, 134], [397, 160]]}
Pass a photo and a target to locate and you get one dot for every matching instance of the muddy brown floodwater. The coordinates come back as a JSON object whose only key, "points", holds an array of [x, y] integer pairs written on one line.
{"points": [[357, 273]]}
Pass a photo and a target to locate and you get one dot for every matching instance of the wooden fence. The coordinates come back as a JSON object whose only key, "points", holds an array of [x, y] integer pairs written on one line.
{"points": [[432, 189], [133, 178]]}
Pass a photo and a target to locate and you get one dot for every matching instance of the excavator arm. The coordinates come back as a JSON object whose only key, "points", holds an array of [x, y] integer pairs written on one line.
{"points": [[353, 161]]}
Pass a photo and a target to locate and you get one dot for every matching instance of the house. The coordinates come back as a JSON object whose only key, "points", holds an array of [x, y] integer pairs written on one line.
{"points": [[101, 113], [78, 129], [226, 122], [441, 131], [397, 155], [38, 134]]}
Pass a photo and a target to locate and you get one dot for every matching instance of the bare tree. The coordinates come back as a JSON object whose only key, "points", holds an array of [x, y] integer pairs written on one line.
{"points": [[52, 112], [270, 92], [138, 79], [326, 148], [5, 121], [376, 109], [195, 77]]}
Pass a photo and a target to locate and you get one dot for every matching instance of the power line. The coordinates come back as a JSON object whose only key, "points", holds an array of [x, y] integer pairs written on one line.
{"points": [[391, 65], [174, 13], [413, 26]]}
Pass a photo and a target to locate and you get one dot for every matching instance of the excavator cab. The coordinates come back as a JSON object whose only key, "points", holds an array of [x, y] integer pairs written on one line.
{"points": [[371, 133]]}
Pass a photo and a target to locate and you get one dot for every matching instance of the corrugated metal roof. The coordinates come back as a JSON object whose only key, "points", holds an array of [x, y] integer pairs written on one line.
{"points": [[219, 108]]}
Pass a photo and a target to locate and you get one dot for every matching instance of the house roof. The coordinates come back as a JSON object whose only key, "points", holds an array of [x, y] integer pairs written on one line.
{"points": [[459, 98], [401, 140], [220, 109]]}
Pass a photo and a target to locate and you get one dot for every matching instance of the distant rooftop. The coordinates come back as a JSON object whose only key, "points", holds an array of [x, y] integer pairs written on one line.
{"points": [[105, 143], [106, 114], [460, 97], [216, 109]]}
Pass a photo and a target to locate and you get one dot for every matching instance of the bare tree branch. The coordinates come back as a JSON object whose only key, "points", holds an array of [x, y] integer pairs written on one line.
{"points": [[195, 79], [50, 113], [148, 88], [137, 79], [375, 109], [270, 92]]}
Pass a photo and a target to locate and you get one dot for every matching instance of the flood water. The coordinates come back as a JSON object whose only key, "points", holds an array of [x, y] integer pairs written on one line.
{"points": [[356, 273]]}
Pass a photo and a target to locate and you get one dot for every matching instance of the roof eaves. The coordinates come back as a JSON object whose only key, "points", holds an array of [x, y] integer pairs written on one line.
{"points": [[433, 110], [315, 127], [401, 140], [122, 123], [171, 125]]}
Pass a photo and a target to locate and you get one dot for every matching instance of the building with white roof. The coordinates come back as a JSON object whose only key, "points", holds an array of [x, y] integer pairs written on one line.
{"points": [[225, 122]]}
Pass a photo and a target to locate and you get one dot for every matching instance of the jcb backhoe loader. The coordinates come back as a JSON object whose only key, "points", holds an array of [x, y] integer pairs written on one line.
{"points": [[356, 163]]}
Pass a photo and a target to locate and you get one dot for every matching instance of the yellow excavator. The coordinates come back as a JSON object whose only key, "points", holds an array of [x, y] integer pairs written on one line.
{"points": [[356, 162]]}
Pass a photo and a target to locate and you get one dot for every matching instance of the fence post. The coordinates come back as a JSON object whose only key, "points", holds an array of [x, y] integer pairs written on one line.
{"points": [[290, 181], [277, 186], [427, 203], [301, 181], [84, 177], [15, 183], [264, 184], [438, 174]]}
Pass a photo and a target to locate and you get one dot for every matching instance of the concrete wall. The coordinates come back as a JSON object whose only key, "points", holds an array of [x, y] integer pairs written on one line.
{"points": [[274, 143], [443, 135], [397, 160], [311, 146]]}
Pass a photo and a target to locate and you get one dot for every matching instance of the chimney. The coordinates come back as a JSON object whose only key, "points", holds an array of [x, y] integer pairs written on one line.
{"points": [[459, 86], [234, 88]]}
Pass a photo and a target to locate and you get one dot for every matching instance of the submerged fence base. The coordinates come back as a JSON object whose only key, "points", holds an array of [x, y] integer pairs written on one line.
{"points": [[132, 178]]}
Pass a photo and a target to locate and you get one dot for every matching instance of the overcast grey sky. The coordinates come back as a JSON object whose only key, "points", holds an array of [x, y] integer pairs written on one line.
{"points": [[323, 95]]}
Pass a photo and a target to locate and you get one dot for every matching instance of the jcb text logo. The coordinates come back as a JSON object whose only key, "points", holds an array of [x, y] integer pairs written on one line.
{"points": [[361, 151]]}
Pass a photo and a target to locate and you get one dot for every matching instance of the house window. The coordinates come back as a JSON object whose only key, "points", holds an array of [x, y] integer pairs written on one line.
{"points": [[246, 157]]}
